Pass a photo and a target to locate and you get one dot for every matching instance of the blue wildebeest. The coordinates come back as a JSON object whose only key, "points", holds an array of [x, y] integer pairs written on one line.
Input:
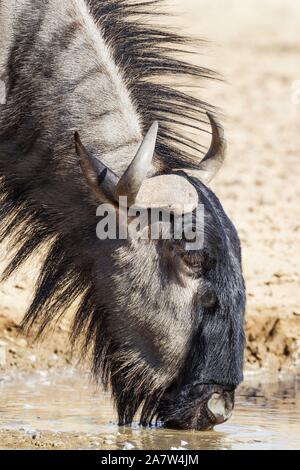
{"points": [[165, 324]]}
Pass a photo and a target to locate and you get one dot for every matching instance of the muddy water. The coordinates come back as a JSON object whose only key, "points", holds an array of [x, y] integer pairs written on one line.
{"points": [[63, 410]]}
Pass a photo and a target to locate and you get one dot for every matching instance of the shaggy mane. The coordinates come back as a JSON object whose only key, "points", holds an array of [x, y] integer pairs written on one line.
{"points": [[145, 53]]}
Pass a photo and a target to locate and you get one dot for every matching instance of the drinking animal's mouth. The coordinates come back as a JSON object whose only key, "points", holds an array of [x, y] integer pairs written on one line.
{"points": [[202, 413]]}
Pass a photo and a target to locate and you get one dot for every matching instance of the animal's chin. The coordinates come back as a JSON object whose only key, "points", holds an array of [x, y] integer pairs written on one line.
{"points": [[199, 422], [191, 417]]}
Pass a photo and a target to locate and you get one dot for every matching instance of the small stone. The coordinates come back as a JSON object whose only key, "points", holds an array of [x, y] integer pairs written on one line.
{"points": [[108, 442], [42, 373], [128, 446], [183, 443], [32, 358], [95, 443]]}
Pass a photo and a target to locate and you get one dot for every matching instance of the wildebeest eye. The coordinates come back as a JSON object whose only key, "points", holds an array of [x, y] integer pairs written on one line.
{"points": [[192, 260], [200, 262]]}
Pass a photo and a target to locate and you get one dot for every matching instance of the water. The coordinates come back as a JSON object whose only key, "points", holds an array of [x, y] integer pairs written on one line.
{"points": [[63, 409]]}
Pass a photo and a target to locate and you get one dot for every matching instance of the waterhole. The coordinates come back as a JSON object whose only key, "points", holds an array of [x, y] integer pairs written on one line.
{"points": [[63, 409]]}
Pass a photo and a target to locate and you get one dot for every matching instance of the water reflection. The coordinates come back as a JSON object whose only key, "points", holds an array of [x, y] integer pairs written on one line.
{"points": [[266, 416]]}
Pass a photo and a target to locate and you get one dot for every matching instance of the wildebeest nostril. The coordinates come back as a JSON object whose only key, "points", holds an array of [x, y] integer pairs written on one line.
{"points": [[219, 409]]}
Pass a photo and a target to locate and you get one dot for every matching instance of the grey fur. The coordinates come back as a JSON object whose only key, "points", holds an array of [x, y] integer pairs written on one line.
{"points": [[67, 68]]}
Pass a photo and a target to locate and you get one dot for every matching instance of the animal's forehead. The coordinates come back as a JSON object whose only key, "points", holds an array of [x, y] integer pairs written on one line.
{"points": [[169, 192]]}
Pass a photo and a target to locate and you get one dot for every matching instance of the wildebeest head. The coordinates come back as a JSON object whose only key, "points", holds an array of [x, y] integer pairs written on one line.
{"points": [[171, 330]]}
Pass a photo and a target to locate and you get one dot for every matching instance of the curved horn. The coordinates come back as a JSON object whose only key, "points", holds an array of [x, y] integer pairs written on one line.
{"points": [[132, 180], [103, 180], [99, 176], [213, 160]]}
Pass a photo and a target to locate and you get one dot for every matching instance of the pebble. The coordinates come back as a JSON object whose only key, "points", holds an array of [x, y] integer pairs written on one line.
{"points": [[43, 373], [95, 443], [128, 446], [108, 442], [28, 407], [183, 443], [33, 433]]}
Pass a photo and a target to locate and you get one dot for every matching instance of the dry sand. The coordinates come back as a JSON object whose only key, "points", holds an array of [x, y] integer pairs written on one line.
{"points": [[255, 45]]}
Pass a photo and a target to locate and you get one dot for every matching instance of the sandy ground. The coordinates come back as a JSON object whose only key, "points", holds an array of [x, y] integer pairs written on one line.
{"points": [[256, 48], [255, 45]]}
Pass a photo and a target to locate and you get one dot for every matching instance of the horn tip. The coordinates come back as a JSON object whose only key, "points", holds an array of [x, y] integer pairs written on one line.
{"points": [[211, 118], [154, 128], [216, 127]]}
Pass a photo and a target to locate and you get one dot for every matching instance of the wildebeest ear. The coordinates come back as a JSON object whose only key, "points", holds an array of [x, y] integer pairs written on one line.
{"points": [[214, 159], [98, 176]]}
